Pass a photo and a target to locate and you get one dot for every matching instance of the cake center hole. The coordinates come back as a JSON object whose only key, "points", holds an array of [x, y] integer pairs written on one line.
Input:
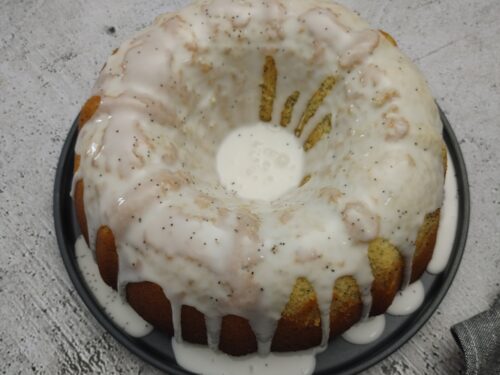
{"points": [[260, 161]]}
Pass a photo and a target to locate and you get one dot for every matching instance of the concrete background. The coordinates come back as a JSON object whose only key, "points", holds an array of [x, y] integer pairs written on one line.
{"points": [[50, 54]]}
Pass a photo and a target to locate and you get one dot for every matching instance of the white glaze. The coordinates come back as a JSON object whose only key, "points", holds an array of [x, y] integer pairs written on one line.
{"points": [[408, 300], [213, 330], [172, 94], [122, 314], [448, 222], [365, 331], [260, 162], [201, 360]]}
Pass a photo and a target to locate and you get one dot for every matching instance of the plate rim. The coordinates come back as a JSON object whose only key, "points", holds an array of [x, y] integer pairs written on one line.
{"points": [[60, 203]]}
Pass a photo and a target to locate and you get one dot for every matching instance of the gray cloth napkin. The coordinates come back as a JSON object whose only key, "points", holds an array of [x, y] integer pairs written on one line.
{"points": [[479, 339]]}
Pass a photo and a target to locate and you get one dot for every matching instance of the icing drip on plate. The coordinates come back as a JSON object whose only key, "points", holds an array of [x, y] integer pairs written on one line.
{"points": [[447, 224], [366, 331], [200, 360], [115, 307], [408, 300]]}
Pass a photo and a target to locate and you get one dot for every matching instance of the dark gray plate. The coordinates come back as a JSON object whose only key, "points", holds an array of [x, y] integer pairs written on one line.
{"points": [[341, 357]]}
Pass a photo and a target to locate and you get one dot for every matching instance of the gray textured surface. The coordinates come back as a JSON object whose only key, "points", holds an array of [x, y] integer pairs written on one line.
{"points": [[50, 53]]}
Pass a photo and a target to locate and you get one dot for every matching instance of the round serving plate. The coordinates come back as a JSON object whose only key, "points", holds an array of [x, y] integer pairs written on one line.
{"points": [[340, 357]]}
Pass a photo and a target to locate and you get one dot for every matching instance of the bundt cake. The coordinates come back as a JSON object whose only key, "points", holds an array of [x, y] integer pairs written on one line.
{"points": [[259, 175]]}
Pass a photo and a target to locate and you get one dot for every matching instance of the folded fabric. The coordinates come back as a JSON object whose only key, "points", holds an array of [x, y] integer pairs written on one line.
{"points": [[479, 339]]}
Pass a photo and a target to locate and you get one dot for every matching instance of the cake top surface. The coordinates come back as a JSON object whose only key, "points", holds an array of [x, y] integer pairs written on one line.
{"points": [[170, 96]]}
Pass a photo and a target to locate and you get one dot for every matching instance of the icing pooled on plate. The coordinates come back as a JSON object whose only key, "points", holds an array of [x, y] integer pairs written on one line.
{"points": [[113, 305], [408, 300], [447, 224], [201, 360], [365, 331]]}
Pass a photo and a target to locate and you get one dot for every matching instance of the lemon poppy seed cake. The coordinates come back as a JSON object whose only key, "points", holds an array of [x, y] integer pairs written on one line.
{"points": [[259, 175]]}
